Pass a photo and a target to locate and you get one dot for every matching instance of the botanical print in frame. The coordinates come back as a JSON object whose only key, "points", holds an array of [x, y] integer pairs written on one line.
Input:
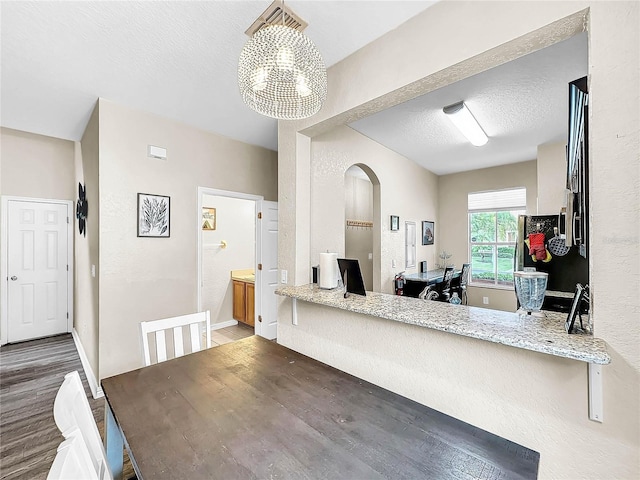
{"points": [[428, 233], [153, 215], [208, 218]]}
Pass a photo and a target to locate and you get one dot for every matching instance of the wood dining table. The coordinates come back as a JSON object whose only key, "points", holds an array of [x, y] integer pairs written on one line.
{"points": [[255, 409]]}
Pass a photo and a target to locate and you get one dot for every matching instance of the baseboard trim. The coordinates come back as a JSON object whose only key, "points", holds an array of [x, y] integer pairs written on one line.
{"points": [[228, 323], [96, 390]]}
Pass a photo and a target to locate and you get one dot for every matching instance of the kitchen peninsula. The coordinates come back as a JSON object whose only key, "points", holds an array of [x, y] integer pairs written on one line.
{"points": [[543, 335]]}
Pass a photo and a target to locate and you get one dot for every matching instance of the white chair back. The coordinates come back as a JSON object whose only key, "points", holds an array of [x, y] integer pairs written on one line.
{"points": [[73, 461], [71, 412], [160, 328]]}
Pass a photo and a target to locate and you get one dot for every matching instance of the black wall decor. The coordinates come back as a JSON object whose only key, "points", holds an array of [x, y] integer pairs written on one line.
{"points": [[82, 208]]}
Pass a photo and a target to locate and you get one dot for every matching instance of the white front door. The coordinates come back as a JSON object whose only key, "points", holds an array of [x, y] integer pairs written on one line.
{"points": [[37, 269], [267, 314]]}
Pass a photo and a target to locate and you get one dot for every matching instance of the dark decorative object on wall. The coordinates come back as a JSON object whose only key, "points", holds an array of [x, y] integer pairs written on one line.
{"points": [[153, 215], [82, 208], [428, 233], [395, 223]]}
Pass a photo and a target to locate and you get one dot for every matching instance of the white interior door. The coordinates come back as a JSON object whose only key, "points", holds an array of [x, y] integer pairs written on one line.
{"points": [[267, 324], [37, 269]]}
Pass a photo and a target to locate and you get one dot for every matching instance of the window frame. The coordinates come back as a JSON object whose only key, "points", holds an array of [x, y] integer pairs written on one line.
{"points": [[522, 210], [410, 244]]}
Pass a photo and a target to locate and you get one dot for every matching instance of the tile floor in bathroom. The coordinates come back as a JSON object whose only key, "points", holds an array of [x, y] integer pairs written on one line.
{"points": [[230, 334]]}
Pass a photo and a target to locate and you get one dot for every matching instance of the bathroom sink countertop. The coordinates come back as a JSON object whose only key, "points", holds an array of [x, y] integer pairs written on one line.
{"points": [[247, 275], [544, 335]]}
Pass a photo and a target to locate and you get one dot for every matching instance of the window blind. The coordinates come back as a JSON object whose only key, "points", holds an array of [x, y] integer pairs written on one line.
{"points": [[513, 198]]}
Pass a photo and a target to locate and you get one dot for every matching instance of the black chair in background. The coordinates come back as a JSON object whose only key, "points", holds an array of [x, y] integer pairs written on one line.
{"points": [[464, 280], [445, 286], [429, 293]]}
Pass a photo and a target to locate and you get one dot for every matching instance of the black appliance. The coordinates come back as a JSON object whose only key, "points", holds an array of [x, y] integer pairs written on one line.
{"points": [[564, 271]]}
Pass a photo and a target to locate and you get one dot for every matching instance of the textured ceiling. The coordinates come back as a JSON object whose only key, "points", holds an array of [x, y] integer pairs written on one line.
{"points": [[520, 105], [174, 59]]}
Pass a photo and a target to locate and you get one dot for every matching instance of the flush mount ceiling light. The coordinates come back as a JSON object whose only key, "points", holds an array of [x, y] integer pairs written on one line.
{"points": [[281, 73], [462, 118]]}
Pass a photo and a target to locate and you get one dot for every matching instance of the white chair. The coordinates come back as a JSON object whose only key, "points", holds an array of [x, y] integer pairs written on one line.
{"points": [[160, 327], [72, 412], [73, 460]]}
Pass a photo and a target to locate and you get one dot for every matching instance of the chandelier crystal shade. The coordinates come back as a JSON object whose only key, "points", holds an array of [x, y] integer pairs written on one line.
{"points": [[281, 74]]}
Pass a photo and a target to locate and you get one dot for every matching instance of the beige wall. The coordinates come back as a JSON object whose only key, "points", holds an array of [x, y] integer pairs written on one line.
{"points": [[406, 190], [151, 278], [534, 399], [358, 241], [454, 227], [235, 224], [552, 178], [36, 166], [87, 246]]}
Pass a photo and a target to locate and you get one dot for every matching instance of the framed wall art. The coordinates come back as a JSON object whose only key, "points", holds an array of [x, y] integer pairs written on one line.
{"points": [[428, 233], [153, 215], [395, 223], [208, 218]]}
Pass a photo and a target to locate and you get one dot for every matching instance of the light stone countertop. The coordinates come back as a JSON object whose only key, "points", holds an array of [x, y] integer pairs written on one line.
{"points": [[544, 335], [247, 275]]}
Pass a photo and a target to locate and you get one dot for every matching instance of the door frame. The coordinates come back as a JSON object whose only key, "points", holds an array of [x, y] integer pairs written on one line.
{"points": [[4, 256], [226, 193]]}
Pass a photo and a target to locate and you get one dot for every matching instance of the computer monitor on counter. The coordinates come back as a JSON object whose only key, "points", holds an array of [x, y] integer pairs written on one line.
{"points": [[351, 276]]}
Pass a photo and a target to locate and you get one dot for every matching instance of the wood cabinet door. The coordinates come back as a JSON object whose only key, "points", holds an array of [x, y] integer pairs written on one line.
{"points": [[250, 304], [239, 308]]}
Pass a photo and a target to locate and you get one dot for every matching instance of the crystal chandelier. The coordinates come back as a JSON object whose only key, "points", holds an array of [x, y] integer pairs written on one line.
{"points": [[281, 74]]}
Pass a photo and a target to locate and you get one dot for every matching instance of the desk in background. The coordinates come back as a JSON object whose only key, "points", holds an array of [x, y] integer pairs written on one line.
{"points": [[416, 282]]}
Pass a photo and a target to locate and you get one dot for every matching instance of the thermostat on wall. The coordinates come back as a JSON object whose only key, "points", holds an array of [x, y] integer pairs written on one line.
{"points": [[157, 152]]}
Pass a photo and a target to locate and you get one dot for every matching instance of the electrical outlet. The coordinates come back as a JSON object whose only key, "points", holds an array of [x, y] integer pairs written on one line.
{"points": [[371, 256], [93, 270], [393, 264], [283, 276], [485, 300]]}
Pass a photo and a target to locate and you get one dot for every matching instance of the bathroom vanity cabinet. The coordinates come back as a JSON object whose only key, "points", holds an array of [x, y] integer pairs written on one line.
{"points": [[244, 302]]}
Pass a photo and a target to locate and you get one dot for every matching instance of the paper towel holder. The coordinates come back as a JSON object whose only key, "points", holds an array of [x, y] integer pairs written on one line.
{"points": [[328, 273]]}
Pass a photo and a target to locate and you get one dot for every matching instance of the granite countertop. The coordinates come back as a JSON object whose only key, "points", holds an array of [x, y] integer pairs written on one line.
{"points": [[544, 335]]}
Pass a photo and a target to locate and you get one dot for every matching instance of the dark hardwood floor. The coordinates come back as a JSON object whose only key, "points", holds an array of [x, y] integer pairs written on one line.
{"points": [[30, 375]]}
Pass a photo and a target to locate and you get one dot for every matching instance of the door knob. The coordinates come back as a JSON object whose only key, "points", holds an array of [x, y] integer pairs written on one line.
{"points": [[14, 278]]}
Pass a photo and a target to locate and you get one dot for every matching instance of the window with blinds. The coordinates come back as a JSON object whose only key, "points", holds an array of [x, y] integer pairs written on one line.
{"points": [[514, 198], [493, 232]]}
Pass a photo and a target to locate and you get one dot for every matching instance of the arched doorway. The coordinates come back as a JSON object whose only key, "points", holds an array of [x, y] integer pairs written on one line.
{"points": [[362, 225]]}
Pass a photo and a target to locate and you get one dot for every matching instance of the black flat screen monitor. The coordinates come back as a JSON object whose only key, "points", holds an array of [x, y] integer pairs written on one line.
{"points": [[351, 276]]}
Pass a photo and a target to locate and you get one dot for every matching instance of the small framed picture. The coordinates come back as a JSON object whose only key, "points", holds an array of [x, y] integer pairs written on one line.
{"points": [[395, 223], [208, 218], [153, 215], [428, 233]]}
